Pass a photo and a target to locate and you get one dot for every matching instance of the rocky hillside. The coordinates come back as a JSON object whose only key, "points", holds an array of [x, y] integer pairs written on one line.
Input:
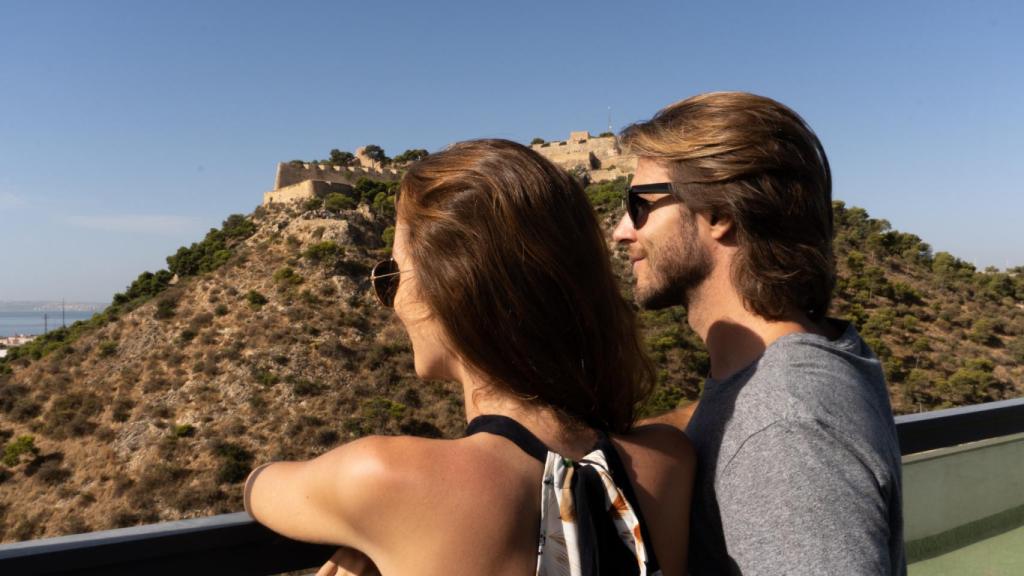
{"points": [[159, 408], [264, 342]]}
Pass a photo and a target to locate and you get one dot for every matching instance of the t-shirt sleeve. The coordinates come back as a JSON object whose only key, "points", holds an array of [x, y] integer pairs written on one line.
{"points": [[795, 499]]}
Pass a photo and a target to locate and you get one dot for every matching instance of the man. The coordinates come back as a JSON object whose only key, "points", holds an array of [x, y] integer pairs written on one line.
{"points": [[730, 215]]}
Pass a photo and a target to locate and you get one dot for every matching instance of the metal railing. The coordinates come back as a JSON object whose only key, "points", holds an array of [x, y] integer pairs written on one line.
{"points": [[223, 544], [235, 544], [955, 426]]}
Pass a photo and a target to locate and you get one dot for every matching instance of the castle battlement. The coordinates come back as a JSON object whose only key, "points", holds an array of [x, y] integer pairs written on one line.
{"points": [[289, 173], [297, 181]]}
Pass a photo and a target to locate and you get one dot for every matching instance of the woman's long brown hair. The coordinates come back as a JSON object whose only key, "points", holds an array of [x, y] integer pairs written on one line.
{"points": [[510, 258]]}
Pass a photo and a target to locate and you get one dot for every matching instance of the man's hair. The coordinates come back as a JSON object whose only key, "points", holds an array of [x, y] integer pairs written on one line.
{"points": [[758, 163], [509, 257]]}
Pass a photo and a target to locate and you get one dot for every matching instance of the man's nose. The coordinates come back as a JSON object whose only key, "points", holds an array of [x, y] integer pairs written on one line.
{"points": [[624, 231]]}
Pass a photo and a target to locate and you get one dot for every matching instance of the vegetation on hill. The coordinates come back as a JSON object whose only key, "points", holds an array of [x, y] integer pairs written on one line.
{"points": [[263, 342], [373, 152]]}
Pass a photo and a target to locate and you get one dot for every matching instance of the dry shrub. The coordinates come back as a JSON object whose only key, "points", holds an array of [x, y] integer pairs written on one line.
{"points": [[52, 473]]}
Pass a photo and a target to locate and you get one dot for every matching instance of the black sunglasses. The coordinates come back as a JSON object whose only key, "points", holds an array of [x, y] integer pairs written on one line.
{"points": [[385, 276], [638, 208]]}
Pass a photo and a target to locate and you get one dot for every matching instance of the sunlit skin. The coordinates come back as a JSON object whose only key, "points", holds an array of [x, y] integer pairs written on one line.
{"points": [[407, 505], [433, 359], [734, 335]]}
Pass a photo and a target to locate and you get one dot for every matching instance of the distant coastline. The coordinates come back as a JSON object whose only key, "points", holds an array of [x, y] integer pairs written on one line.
{"points": [[49, 306], [35, 318]]}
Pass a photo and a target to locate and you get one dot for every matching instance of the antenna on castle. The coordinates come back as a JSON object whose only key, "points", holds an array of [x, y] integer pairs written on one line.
{"points": [[609, 118]]}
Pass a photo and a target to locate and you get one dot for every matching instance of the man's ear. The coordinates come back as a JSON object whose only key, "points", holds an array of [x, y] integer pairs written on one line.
{"points": [[720, 227]]}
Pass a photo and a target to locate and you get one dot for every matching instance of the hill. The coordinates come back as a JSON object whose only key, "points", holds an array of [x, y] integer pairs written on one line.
{"points": [[263, 342]]}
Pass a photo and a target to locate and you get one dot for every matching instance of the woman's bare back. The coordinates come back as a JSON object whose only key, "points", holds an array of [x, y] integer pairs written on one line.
{"points": [[472, 506]]}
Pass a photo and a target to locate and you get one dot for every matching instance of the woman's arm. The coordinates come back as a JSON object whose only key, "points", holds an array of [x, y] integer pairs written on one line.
{"points": [[326, 500]]}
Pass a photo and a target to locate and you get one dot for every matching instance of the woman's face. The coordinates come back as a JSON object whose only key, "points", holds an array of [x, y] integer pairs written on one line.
{"points": [[432, 358]]}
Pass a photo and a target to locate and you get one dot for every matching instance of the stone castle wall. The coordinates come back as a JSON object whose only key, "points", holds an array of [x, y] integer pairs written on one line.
{"points": [[289, 173], [305, 190], [600, 156]]}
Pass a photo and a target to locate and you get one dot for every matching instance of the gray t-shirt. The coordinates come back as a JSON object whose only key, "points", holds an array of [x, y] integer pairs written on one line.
{"points": [[798, 465]]}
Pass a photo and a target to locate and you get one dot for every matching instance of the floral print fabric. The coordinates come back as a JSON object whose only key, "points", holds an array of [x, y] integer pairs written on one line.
{"points": [[559, 551]]}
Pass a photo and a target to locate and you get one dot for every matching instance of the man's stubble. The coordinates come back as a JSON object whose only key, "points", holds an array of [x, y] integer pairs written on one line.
{"points": [[675, 268]]}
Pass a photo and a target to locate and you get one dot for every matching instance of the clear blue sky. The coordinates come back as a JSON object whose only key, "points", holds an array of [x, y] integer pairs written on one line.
{"points": [[129, 128]]}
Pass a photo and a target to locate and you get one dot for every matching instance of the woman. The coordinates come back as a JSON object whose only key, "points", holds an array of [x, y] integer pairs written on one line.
{"points": [[501, 276]]}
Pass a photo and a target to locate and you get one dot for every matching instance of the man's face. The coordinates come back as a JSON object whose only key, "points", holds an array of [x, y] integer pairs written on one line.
{"points": [[669, 260]]}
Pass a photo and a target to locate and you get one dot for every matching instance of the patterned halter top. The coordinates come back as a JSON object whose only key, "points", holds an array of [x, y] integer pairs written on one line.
{"points": [[590, 522]]}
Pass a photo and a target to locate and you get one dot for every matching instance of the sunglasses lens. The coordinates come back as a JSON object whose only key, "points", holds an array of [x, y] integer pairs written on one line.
{"points": [[637, 208], [385, 279]]}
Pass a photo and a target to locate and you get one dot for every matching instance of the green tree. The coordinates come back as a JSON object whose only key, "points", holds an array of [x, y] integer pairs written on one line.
{"points": [[970, 384], [144, 287], [287, 276], [388, 236], [906, 294], [214, 250], [367, 189], [855, 261], [607, 196], [325, 251], [16, 449], [920, 347], [384, 205], [255, 299], [341, 157], [235, 462], [376, 153], [536, 141], [411, 156], [983, 331], [1016, 349], [880, 323], [336, 202]]}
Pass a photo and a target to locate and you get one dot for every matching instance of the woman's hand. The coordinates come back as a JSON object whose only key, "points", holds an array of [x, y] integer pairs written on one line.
{"points": [[349, 562]]}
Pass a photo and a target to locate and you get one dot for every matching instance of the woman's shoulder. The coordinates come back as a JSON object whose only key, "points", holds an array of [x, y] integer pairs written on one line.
{"points": [[414, 467], [657, 444], [661, 463], [390, 462], [659, 460], [478, 484]]}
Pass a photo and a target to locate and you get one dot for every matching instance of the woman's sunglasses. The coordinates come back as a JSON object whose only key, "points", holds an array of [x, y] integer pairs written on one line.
{"points": [[639, 208], [385, 276]]}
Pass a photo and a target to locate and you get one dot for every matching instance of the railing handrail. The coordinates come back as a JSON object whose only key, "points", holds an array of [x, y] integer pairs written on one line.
{"points": [[222, 544], [235, 544], [955, 426]]}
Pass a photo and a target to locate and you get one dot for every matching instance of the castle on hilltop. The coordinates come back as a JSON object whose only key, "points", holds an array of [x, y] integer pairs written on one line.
{"points": [[297, 181], [599, 158]]}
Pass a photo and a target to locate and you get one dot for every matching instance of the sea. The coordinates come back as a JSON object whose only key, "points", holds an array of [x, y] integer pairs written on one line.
{"points": [[34, 323]]}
